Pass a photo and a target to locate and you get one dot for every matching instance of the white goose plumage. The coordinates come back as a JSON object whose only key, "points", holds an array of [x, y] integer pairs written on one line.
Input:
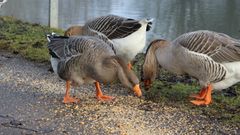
{"points": [[128, 35], [88, 59], [213, 58]]}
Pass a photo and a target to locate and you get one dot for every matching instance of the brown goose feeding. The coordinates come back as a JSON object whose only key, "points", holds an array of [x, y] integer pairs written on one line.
{"points": [[212, 58], [88, 59]]}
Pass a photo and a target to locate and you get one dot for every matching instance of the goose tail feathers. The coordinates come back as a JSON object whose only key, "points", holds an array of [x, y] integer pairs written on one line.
{"points": [[149, 23], [53, 36], [56, 45]]}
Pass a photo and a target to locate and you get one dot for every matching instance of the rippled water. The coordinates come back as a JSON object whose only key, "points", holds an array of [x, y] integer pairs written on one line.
{"points": [[172, 17]]}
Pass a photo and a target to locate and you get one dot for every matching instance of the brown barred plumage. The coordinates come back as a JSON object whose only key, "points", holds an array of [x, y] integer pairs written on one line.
{"points": [[128, 35], [212, 58], [220, 47], [88, 59]]}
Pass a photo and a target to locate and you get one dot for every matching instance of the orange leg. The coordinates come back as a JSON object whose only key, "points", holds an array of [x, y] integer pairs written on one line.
{"points": [[67, 98], [129, 65], [207, 99], [100, 95], [201, 94]]}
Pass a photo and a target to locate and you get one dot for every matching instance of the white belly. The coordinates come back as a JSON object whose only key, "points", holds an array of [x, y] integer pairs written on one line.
{"points": [[131, 45], [232, 76], [54, 63]]}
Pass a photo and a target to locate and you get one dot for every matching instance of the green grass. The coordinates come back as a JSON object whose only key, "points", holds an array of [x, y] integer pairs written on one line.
{"points": [[29, 40], [172, 90], [223, 108]]}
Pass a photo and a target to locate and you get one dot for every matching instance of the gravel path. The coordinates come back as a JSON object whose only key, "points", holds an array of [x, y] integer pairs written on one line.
{"points": [[30, 103]]}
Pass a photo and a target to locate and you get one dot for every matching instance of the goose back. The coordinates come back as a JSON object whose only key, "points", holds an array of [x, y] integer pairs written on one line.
{"points": [[77, 55], [204, 54], [220, 47], [114, 26], [63, 47], [128, 35]]}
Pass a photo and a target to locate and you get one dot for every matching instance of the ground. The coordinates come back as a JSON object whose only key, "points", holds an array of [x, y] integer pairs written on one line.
{"points": [[31, 104]]}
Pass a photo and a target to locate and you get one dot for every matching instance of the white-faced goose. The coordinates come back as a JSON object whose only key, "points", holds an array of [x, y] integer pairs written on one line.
{"points": [[87, 59], [212, 58], [128, 35]]}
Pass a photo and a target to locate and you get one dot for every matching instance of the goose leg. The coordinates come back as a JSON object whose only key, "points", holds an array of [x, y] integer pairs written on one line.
{"points": [[129, 65], [207, 99], [67, 98], [100, 95], [201, 94]]}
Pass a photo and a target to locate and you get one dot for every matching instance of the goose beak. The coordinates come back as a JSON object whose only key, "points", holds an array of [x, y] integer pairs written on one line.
{"points": [[147, 84], [137, 90]]}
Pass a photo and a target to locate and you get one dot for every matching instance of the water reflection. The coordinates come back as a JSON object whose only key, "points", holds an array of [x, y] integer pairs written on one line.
{"points": [[172, 17]]}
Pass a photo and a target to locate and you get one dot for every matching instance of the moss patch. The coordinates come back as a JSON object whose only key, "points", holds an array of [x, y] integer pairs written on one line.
{"points": [[27, 39]]}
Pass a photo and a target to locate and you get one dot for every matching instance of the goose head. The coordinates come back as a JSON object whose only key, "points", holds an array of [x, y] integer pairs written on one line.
{"points": [[150, 65], [116, 67], [74, 30]]}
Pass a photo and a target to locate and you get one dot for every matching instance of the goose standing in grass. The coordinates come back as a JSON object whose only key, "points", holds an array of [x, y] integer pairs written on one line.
{"points": [[212, 58], [88, 59], [128, 35]]}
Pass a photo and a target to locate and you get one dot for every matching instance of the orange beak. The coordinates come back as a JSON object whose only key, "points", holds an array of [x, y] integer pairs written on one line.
{"points": [[147, 84], [137, 90]]}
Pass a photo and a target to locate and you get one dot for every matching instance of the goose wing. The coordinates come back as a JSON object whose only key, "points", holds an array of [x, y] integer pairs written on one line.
{"points": [[65, 48], [56, 46], [102, 37], [114, 26], [220, 47]]}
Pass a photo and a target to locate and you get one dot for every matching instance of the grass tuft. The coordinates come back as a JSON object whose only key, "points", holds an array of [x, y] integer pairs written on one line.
{"points": [[28, 40]]}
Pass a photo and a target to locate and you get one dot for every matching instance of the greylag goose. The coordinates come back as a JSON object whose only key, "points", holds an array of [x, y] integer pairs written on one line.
{"points": [[212, 58], [88, 59], [128, 35]]}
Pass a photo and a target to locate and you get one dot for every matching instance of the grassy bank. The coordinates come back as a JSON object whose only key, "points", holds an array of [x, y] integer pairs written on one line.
{"points": [[27, 39]]}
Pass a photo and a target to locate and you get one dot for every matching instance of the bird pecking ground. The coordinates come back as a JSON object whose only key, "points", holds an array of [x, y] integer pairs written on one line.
{"points": [[30, 103]]}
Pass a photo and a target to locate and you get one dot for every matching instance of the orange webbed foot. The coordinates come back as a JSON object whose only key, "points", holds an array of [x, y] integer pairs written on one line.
{"points": [[200, 102], [99, 94], [204, 97], [105, 98], [68, 99], [200, 95]]}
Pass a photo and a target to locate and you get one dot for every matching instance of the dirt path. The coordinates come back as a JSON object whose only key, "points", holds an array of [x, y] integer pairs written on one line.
{"points": [[30, 103]]}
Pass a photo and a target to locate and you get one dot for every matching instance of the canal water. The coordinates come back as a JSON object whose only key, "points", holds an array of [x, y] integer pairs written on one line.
{"points": [[172, 17]]}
